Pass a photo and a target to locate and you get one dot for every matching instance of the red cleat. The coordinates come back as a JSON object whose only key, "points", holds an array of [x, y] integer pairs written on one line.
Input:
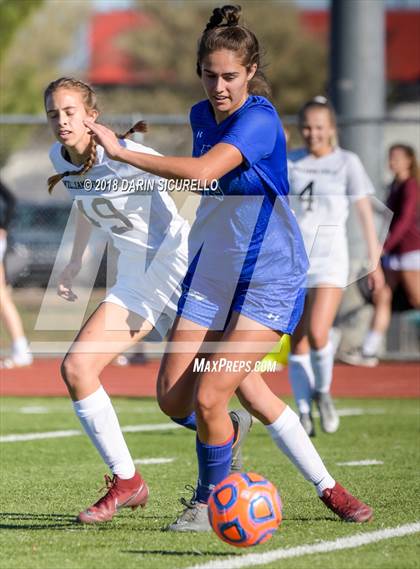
{"points": [[130, 493], [346, 506]]}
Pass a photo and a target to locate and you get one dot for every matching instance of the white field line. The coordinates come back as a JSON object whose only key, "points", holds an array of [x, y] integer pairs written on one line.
{"points": [[358, 540], [348, 412], [153, 427], [38, 410], [37, 436], [355, 411], [34, 410], [74, 433], [27, 410], [367, 462], [153, 460]]}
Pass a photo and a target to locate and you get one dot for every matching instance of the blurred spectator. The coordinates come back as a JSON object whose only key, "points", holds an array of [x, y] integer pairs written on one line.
{"points": [[9, 315], [401, 260]]}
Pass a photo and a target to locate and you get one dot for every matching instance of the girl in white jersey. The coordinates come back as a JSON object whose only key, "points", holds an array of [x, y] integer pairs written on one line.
{"points": [[151, 239], [324, 180]]}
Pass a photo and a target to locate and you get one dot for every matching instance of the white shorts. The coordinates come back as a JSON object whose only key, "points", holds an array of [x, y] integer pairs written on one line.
{"points": [[328, 258], [333, 271], [153, 295], [3, 247], [406, 262]]}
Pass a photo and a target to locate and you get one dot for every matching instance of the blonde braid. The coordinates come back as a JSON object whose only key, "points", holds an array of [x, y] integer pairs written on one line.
{"points": [[90, 161]]}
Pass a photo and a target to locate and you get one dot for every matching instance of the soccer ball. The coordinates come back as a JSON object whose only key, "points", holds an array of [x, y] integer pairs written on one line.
{"points": [[245, 509]]}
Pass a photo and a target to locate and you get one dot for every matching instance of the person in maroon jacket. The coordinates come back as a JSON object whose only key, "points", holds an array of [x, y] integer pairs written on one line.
{"points": [[401, 259]]}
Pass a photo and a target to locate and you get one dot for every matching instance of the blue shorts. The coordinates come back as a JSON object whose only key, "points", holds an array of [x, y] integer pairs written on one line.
{"points": [[210, 302]]}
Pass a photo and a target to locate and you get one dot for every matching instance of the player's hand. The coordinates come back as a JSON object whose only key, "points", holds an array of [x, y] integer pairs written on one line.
{"points": [[106, 138], [376, 279], [65, 281]]}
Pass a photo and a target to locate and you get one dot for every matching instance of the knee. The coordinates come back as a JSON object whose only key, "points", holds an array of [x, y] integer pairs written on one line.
{"points": [[318, 338], [74, 370], [207, 402], [383, 296]]}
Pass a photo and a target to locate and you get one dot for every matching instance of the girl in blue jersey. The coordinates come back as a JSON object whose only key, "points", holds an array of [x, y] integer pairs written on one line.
{"points": [[247, 269]]}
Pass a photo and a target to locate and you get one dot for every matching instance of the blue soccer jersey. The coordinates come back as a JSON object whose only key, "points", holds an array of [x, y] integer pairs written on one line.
{"points": [[248, 216], [245, 238]]}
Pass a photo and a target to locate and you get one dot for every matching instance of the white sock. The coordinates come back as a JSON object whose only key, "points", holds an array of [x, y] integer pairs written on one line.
{"points": [[20, 346], [302, 380], [291, 438], [322, 363], [21, 353], [335, 336], [100, 422], [372, 343]]}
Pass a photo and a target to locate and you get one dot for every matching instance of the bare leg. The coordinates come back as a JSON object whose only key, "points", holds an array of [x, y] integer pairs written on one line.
{"points": [[214, 390], [324, 303], [299, 343], [382, 315], [13, 324], [109, 331], [8, 311], [301, 375], [411, 284], [258, 399], [106, 334], [176, 380]]}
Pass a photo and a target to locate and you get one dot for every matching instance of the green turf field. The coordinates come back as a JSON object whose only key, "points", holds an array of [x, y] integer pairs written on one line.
{"points": [[44, 483]]}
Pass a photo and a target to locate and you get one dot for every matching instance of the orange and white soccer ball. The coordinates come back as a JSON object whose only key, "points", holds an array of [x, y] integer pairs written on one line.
{"points": [[245, 509]]}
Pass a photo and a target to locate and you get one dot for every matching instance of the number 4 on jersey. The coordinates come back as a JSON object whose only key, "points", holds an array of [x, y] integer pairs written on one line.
{"points": [[307, 199]]}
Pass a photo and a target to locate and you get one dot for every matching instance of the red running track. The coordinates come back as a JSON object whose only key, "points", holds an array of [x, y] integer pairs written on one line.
{"points": [[42, 378]]}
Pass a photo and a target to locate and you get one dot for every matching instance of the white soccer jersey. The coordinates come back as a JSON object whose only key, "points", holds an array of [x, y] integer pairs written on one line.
{"points": [[122, 200], [143, 223], [321, 190]]}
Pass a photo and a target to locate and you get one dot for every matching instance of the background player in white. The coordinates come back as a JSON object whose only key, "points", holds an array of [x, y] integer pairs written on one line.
{"points": [[324, 180], [144, 227]]}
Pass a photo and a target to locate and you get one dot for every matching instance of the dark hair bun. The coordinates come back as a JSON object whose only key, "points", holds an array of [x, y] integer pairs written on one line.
{"points": [[226, 16]]}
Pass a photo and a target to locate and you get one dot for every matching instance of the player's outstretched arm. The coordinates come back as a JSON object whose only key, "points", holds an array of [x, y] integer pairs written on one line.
{"points": [[212, 165], [72, 269]]}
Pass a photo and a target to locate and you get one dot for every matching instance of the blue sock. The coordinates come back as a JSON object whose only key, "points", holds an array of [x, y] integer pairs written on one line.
{"points": [[188, 422], [213, 467]]}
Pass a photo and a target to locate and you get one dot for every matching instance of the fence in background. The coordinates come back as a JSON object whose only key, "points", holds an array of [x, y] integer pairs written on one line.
{"points": [[28, 168]]}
